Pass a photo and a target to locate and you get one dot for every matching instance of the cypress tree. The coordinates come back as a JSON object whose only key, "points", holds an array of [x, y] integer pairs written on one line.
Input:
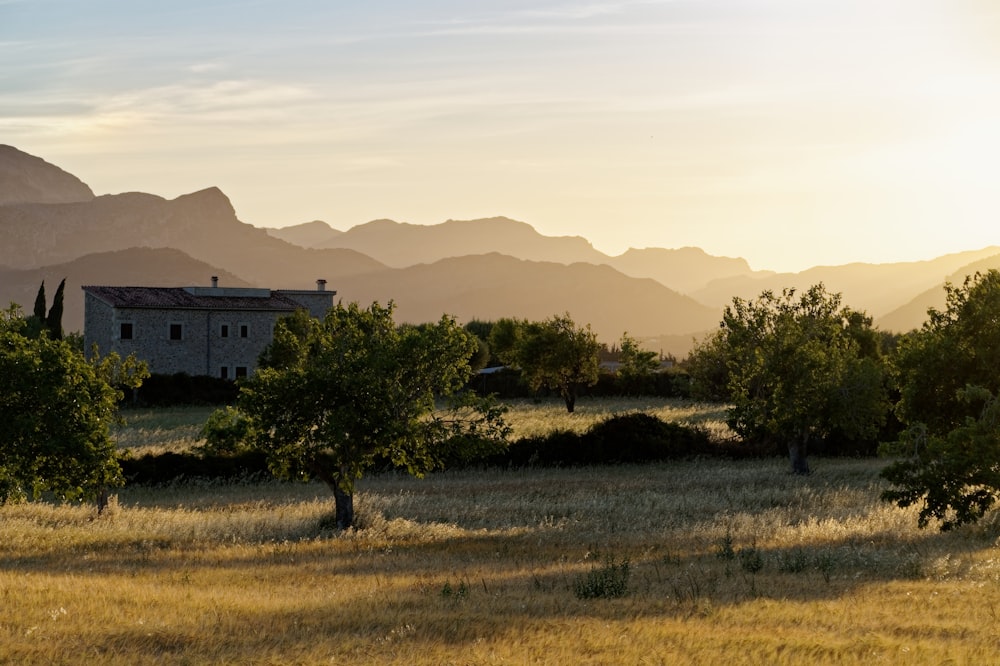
{"points": [[40, 303], [54, 321]]}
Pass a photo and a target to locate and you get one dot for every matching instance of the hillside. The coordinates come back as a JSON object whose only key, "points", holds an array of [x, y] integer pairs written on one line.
{"points": [[875, 288], [25, 178], [483, 269], [136, 267], [914, 313], [399, 245], [494, 285]]}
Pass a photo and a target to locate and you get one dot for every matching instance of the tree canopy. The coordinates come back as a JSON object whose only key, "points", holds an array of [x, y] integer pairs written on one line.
{"points": [[798, 370], [636, 365], [949, 387], [333, 396], [56, 409], [555, 354]]}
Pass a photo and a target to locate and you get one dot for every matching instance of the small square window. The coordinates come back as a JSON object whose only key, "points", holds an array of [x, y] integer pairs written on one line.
{"points": [[224, 331], [176, 331], [125, 332], [241, 371], [244, 331], [224, 372]]}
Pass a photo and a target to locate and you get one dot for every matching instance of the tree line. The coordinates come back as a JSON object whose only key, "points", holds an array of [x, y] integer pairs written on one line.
{"points": [[332, 396]]}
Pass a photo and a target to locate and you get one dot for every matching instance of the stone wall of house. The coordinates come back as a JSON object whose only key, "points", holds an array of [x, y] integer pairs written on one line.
{"points": [[98, 317], [210, 340], [316, 302]]}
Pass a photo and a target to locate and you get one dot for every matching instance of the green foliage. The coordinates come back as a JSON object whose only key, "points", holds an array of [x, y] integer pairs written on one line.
{"points": [[708, 368], [955, 348], [636, 367], [948, 382], [955, 476], [334, 396], [608, 581], [623, 438], [226, 432], [800, 370], [553, 354], [55, 413]]}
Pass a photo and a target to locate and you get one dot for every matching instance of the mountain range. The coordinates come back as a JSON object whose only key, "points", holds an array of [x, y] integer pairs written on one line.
{"points": [[53, 226]]}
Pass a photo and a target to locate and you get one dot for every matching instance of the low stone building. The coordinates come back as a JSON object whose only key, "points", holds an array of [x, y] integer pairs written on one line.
{"points": [[216, 331]]}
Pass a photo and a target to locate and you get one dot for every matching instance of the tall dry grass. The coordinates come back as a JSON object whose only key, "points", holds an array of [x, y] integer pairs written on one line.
{"points": [[737, 562], [727, 562]]}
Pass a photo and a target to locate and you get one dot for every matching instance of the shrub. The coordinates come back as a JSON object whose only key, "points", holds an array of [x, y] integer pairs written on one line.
{"points": [[638, 437], [609, 581]]}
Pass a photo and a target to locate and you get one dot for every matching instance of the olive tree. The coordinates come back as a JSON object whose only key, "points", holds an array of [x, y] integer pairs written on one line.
{"points": [[800, 370], [56, 409], [637, 365], [949, 388], [333, 396], [555, 354]]}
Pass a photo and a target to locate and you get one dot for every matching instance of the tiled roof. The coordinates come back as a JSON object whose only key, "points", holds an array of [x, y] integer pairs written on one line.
{"points": [[179, 298]]}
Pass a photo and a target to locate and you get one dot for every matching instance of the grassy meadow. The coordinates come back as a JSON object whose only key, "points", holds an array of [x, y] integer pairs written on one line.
{"points": [[694, 562]]}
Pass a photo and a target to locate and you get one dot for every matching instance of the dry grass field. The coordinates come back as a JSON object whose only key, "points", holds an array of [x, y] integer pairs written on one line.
{"points": [[695, 562]]}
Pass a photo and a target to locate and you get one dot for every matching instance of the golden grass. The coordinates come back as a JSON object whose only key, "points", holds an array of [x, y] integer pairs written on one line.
{"points": [[480, 567], [176, 429], [154, 431]]}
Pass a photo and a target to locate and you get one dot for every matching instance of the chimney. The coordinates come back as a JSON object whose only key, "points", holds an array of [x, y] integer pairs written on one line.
{"points": [[215, 282], [321, 285]]}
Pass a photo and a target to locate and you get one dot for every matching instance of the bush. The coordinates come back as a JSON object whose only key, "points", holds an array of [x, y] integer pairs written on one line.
{"points": [[185, 389], [169, 467], [638, 437], [624, 438], [609, 581]]}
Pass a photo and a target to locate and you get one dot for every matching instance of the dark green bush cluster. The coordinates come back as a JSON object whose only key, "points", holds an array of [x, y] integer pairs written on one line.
{"points": [[624, 438], [168, 467], [507, 384], [184, 389], [608, 581]]}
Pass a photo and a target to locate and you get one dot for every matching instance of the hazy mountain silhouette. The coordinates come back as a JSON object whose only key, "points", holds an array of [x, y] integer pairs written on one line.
{"points": [[491, 286], [875, 288], [399, 245], [484, 269], [135, 267], [25, 178], [914, 313], [687, 269], [202, 224], [309, 234]]}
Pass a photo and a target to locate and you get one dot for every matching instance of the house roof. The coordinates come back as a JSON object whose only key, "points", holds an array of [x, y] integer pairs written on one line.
{"points": [[182, 298]]}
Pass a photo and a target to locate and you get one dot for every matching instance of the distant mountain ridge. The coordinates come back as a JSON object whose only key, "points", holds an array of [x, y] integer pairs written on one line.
{"points": [[400, 245], [28, 179], [51, 223]]}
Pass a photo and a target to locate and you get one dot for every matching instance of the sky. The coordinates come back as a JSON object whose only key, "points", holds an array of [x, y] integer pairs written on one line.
{"points": [[792, 133]]}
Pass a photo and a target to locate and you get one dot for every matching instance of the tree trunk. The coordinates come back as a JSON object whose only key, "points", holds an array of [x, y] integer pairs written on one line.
{"points": [[797, 456], [569, 395], [343, 500], [344, 503]]}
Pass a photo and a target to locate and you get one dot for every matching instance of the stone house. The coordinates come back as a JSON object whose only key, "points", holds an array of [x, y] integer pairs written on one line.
{"points": [[215, 331]]}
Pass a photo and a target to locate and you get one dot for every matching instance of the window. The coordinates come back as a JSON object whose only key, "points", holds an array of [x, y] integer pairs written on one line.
{"points": [[224, 332], [125, 332], [244, 331], [176, 331], [241, 371], [224, 372]]}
